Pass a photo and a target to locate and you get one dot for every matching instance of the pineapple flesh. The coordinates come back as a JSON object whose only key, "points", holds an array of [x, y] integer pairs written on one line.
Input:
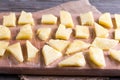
{"points": [[63, 33], [117, 20], [117, 34]]}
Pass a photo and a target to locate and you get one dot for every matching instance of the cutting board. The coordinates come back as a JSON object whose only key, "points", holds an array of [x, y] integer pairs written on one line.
{"points": [[8, 65]]}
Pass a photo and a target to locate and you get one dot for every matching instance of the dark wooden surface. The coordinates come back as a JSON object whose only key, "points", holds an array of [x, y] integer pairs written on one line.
{"points": [[112, 6]]}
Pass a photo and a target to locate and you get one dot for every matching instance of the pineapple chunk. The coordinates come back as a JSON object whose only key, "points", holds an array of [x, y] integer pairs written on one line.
{"points": [[25, 18], [75, 60], [9, 20], [16, 51], [87, 19], [3, 46], [115, 54], [4, 32], [104, 43], [117, 34], [77, 45], [59, 45], [117, 20], [63, 33], [97, 56], [44, 33], [50, 54], [81, 32], [49, 19], [105, 20], [25, 32], [101, 31], [66, 19], [31, 51]]}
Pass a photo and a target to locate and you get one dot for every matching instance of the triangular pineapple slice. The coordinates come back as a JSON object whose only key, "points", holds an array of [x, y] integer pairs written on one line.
{"points": [[63, 33], [50, 54], [75, 60], [9, 20], [16, 51], [25, 32], [4, 32], [97, 56], [115, 54], [101, 31], [117, 20], [44, 33], [25, 18], [82, 32], [49, 19], [59, 45], [105, 20], [3, 46], [66, 19], [77, 45], [31, 51], [87, 19], [117, 34], [104, 43]]}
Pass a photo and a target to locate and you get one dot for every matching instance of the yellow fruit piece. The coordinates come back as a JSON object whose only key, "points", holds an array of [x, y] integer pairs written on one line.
{"points": [[104, 43], [63, 33], [25, 33], [117, 20], [31, 51], [87, 19], [50, 54], [3, 46], [59, 45], [97, 56], [44, 33], [9, 20], [105, 20], [25, 18], [117, 34], [75, 60], [81, 32], [49, 19], [4, 32], [76, 46], [115, 54], [16, 51], [66, 19], [101, 31]]}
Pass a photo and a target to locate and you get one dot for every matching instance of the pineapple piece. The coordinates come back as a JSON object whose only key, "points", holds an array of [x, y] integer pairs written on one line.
{"points": [[4, 32], [115, 54], [16, 51], [76, 46], [31, 51], [25, 18], [9, 20], [59, 45], [117, 34], [44, 33], [105, 20], [75, 60], [101, 31], [50, 54], [25, 32], [87, 19], [49, 19], [104, 43], [66, 19], [82, 32], [97, 56], [63, 33], [117, 20], [3, 46]]}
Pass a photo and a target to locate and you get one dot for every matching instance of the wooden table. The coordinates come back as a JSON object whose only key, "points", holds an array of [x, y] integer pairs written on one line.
{"points": [[111, 6]]}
